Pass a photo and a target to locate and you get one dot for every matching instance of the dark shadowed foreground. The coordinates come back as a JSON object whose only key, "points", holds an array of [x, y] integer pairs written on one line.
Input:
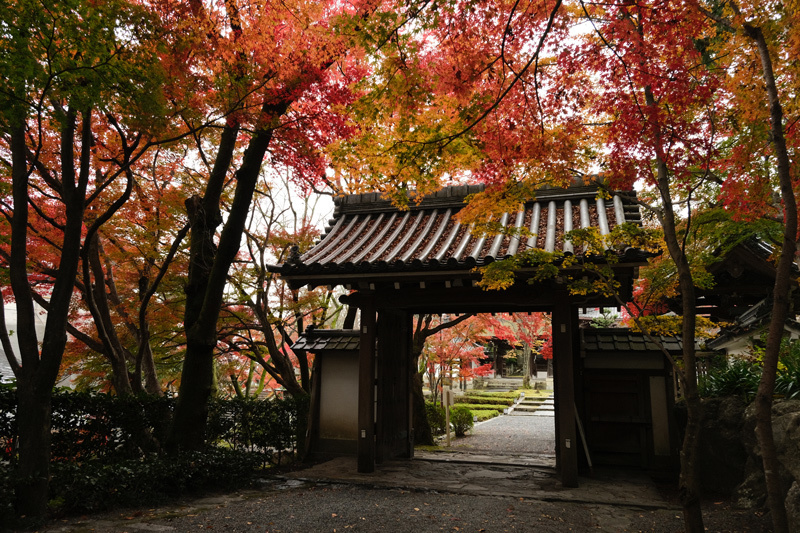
{"points": [[501, 477], [295, 506]]}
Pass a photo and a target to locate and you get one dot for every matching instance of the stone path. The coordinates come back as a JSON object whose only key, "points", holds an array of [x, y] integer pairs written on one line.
{"points": [[516, 435]]}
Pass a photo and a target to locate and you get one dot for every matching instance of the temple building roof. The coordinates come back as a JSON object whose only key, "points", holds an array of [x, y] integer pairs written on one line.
{"points": [[369, 236]]}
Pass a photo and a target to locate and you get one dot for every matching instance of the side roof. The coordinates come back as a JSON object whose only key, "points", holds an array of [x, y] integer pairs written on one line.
{"points": [[327, 340], [620, 340]]}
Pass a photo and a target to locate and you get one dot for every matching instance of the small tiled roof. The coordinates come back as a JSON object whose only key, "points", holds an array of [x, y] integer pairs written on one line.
{"points": [[321, 340], [368, 234], [624, 340]]}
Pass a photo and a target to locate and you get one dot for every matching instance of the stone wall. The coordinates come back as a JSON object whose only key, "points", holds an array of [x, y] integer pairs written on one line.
{"points": [[751, 492], [730, 460]]}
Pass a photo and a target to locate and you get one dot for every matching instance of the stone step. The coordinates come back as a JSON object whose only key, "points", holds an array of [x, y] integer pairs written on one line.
{"points": [[531, 409], [547, 414]]}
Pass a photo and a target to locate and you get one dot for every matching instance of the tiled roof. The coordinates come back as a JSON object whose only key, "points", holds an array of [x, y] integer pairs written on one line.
{"points": [[368, 234], [749, 323], [321, 340], [624, 340]]}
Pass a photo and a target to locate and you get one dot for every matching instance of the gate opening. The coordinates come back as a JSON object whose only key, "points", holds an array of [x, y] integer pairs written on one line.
{"points": [[499, 367]]}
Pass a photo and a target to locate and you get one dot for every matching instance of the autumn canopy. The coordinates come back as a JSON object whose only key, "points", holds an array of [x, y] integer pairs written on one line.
{"points": [[145, 144]]}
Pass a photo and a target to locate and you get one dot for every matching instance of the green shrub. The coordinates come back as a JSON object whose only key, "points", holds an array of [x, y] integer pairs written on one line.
{"points": [[738, 378], [483, 394], [88, 426], [484, 414], [6, 495], [473, 406], [244, 424], [461, 419], [787, 381], [485, 400], [106, 449], [435, 414]]}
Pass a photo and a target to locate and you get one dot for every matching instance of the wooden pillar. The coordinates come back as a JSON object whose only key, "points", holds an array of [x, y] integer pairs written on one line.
{"points": [[366, 388], [312, 432], [564, 374], [393, 414]]}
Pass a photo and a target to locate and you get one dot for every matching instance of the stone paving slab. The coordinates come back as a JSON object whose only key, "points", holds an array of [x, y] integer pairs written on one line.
{"points": [[504, 456], [624, 488], [546, 462]]}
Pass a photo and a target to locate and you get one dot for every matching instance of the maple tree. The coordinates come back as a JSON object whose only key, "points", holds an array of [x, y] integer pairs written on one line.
{"points": [[649, 103], [755, 42], [424, 327], [530, 330], [263, 316], [268, 70], [457, 94], [124, 267], [77, 81], [453, 352], [654, 116], [659, 130]]}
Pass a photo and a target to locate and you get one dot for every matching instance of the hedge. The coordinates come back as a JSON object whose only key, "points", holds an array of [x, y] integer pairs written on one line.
{"points": [[486, 400], [100, 426], [482, 414], [105, 449], [478, 406], [483, 394]]}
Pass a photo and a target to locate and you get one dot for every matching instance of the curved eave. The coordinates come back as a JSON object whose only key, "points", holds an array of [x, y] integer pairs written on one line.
{"points": [[416, 271]]}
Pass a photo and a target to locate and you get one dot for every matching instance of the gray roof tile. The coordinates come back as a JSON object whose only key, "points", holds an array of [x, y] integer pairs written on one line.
{"points": [[623, 340], [368, 234], [321, 340]]}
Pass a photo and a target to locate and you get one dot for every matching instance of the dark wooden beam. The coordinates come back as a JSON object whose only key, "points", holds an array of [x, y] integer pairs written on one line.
{"points": [[458, 300], [366, 387]]}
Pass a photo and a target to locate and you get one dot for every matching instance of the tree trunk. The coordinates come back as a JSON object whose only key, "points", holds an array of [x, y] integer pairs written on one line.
{"points": [[148, 366], [33, 470], [191, 411], [688, 486], [120, 379], [208, 273], [422, 429], [526, 366], [780, 306], [39, 370]]}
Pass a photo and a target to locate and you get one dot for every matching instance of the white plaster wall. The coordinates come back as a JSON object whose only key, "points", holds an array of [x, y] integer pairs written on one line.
{"points": [[338, 408]]}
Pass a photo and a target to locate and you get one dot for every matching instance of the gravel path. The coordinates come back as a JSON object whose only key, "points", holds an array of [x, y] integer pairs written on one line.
{"points": [[511, 435], [334, 508]]}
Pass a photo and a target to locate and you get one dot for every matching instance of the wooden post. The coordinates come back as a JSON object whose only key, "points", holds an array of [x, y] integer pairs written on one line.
{"points": [[563, 359], [393, 413], [366, 389]]}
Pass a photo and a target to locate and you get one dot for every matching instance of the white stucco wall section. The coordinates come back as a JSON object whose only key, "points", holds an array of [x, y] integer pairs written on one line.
{"points": [[338, 408]]}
